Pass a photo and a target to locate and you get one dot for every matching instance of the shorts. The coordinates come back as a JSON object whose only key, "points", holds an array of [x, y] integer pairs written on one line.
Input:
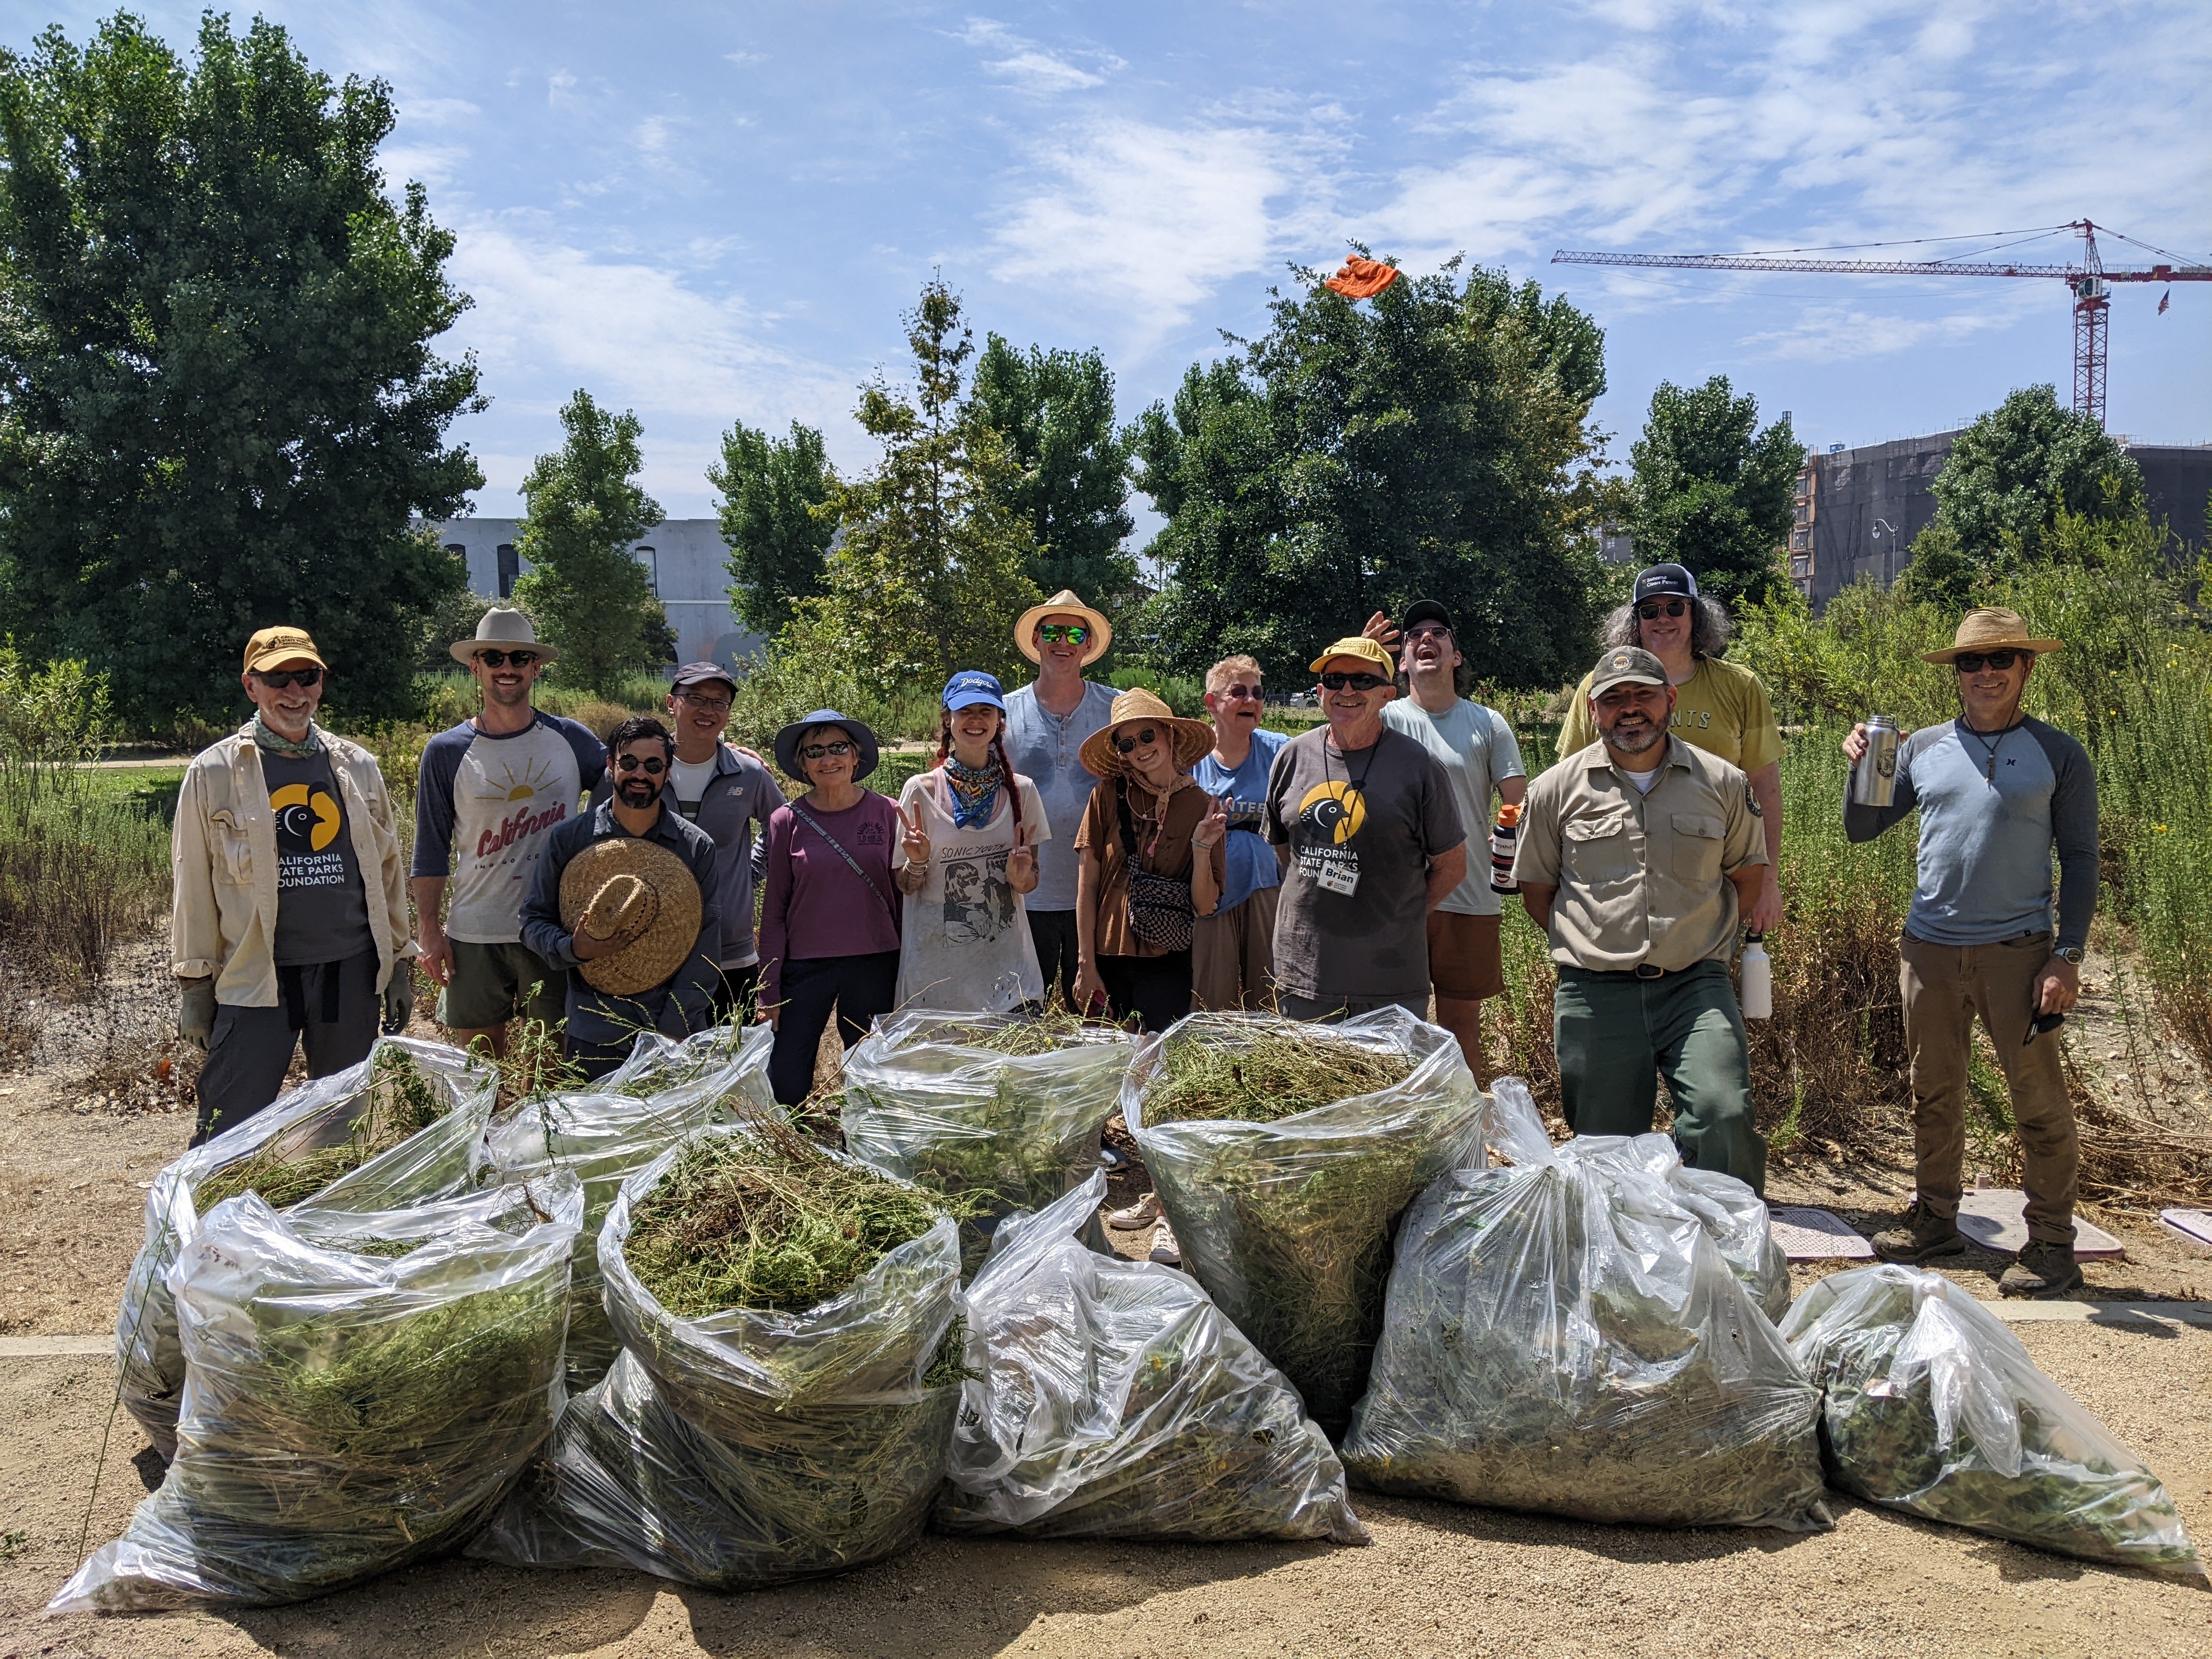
{"points": [[490, 983], [1465, 963]]}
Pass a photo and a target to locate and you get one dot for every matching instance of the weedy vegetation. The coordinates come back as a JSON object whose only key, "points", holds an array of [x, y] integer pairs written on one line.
{"points": [[398, 1102]]}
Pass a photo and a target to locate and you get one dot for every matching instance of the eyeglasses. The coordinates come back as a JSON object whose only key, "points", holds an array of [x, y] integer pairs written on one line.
{"points": [[706, 704], [1129, 746], [1652, 610], [284, 678], [1351, 682], [502, 659], [1063, 633], [817, 750], [1427, 631], [652, 765], [1971, 662], [1237, 691]]}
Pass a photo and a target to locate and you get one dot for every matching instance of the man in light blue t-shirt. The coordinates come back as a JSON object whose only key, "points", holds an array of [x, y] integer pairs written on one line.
{"points": [[1232, 951]]}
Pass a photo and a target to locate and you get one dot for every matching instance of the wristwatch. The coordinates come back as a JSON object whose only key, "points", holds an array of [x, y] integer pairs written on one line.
{"points": [[2068, 953]]}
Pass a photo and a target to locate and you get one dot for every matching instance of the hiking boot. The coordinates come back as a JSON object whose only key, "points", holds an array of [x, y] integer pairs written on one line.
{"points": [[1924, 1237], [2043, 1269]]}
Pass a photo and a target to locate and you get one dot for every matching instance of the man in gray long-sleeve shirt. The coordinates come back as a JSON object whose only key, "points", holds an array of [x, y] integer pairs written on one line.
{"points": [[1997, 792]]}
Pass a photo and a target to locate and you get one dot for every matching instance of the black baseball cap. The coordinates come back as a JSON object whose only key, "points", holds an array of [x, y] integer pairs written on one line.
{"points": [[699, 673], [1662, 579], [1424, 610]]}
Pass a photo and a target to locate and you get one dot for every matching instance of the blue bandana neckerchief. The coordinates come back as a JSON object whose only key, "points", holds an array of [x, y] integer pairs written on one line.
{"points": [[974, 792]]}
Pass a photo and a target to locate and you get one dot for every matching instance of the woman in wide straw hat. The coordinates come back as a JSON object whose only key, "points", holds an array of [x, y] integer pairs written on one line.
{"points": [[1152, 861]]}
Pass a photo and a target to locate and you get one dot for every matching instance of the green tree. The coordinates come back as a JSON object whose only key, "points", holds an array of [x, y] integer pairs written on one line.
{"points": [[1054, 411], [219, 408], [1434, 442], [582, 509], [1711, 490], [772, 493], [2011, 472], [933, 566]]}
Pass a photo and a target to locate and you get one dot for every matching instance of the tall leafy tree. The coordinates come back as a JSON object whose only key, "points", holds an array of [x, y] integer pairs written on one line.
{"points": [[1712, 491], [582, 508], [2013, 470], [1054, 411], [1434, 442], [773, 495], [219, 406], [933, 565]]}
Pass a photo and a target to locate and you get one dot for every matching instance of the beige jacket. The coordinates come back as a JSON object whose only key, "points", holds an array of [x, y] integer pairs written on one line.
{"points": [[222, 867]]}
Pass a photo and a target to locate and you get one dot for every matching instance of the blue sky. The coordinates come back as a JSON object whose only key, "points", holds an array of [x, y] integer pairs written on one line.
{"points": [[710, 211]]}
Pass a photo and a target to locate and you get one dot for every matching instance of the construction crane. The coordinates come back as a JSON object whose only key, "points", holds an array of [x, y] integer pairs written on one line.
{"points": [[2088, 281]]}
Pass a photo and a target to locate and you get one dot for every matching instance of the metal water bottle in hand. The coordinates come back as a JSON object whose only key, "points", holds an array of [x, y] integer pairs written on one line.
{"points": [[1757, 971], [1504, 838], [1874, 780]]}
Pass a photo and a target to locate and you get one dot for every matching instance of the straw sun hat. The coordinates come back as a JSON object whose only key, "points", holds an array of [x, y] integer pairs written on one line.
{"points": [[1993, 628], [637, 891], [1194, 739], [1064, 604]]}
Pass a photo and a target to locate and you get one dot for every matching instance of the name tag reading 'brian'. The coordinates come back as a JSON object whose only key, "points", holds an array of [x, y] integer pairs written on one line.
{"points": [[1332, 869]]}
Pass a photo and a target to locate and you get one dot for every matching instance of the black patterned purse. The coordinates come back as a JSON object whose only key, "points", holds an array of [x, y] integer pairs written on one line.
{"points": [[1160, 911]]}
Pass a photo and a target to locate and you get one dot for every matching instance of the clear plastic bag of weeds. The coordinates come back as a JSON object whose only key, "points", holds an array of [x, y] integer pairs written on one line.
{"points": [[659, 1063], [1734, 1215], [1012, 1131], [1564, 1335], [326, 1142], [363, 1387], [1111, 1399], [606, 1137], [1932, 1407], [749, 1447], [1287, 1224]]}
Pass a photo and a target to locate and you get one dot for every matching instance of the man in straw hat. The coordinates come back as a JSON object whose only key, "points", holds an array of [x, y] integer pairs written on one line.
{"points": [[624, 899], [1370, 841], [289, 922], [1047, 722], [490, 792], [1997, 792]]}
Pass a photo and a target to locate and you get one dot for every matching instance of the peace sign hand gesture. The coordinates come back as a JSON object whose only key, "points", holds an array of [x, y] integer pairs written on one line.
{"points": [[1212, 827], [1021, 863], [914, 842]]}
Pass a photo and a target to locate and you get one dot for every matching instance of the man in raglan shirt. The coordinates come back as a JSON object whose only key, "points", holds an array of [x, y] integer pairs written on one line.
{"points": [[490, 794]]}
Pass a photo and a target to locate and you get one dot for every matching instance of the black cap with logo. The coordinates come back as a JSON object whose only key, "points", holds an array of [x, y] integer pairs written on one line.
{"points": [[1664, 579]]}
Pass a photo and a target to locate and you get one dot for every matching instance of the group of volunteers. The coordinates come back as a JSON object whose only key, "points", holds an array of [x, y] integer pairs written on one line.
{"points": [[1074, 842]]}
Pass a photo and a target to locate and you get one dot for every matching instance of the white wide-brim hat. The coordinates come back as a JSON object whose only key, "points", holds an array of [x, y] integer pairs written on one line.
{"points": [[502, 629]]}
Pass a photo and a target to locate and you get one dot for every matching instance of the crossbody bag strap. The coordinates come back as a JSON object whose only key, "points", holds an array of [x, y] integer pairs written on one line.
{"points": [[836, 847], [1128, 828]]}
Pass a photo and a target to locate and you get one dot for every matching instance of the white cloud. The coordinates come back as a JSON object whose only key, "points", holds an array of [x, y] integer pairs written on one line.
{"points": [[1034, 68]]}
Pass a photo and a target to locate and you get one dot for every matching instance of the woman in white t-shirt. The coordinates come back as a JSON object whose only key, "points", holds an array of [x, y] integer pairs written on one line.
{"points": [[970, 829]]}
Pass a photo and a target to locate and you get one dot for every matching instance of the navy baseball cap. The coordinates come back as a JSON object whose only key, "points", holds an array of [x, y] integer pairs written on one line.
{"points": [[1424, 610], [971, 686], [699, 673], [1664, 579]]}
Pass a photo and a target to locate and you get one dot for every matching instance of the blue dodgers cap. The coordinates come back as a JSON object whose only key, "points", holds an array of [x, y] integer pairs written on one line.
{"points": [[971, 686]]}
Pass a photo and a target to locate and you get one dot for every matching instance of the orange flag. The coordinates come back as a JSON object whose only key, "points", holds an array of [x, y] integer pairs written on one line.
{"points": [[1362, 279]]}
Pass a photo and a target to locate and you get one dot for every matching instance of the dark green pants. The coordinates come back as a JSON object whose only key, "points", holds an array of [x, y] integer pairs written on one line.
{"points": [[1617, 1035]]}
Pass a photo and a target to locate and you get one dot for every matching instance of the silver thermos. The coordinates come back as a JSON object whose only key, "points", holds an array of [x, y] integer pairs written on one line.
{"points": [[1874, 780]]}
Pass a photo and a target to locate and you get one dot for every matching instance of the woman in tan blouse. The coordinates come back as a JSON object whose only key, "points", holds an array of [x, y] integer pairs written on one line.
{"points": [[1134, 949]]}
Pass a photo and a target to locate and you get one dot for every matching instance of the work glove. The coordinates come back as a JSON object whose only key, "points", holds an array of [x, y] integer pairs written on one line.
{"points": [[400, 999], [196, 1012]]}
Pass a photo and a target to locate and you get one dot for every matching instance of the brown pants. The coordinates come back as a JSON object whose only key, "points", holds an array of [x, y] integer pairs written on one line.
{"points": [[1945, 986], [1232, 955]]}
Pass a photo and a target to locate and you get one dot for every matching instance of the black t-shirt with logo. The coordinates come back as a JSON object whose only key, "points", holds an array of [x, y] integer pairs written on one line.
{"points": [[322, 910]]}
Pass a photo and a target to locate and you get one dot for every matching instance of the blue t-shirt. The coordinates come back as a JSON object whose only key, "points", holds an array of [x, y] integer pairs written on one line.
{"points": [[1047, 750], [1252, 863]]}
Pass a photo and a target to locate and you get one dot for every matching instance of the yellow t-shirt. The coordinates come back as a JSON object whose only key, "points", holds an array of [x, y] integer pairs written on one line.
{"points": [[1722, 708]]}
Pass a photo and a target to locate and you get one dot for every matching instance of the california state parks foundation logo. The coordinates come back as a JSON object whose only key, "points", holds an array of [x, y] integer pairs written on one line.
{"points": [[307, 819], [1332, 812]]}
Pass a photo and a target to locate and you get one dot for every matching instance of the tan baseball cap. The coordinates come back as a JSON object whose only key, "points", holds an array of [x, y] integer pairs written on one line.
{"points": [[1626, 665], [272, 646]]}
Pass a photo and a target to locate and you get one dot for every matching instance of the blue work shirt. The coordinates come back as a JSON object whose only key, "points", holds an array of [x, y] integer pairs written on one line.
{"points": [[1252, 863]]}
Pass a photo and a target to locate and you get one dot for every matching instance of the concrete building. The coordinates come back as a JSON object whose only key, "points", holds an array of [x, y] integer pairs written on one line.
{"points": [[686, 560]]}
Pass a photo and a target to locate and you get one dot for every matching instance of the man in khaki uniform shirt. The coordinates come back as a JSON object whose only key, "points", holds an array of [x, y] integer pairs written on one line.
{"points": [[1637, 854]]}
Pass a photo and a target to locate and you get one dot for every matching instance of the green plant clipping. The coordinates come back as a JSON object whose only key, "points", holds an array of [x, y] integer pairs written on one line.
{"points": [[1278, 1073], [1934, 1407], [397, 1101]]}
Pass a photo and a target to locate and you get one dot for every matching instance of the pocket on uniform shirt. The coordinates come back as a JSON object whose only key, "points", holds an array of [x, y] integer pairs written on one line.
{"points": [[233, 849], [1697, 841], [1597, 850]]}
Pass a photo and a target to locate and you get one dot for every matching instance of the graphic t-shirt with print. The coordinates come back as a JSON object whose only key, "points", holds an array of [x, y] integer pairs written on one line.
{"points": [[966, 943], [322, 908], [484, 805]]}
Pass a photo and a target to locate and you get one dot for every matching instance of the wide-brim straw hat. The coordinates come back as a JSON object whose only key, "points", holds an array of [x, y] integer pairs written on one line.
{"points": [[1064, 604], [867, 751], [1993, 628], [669, 936], [1194, 739], [502, 629]]}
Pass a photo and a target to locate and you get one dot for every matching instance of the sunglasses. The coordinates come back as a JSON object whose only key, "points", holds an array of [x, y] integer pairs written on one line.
{"points": [[1252, 691], [1063, 633], [1351, 682], [502, 659], [817, 750], [284, 678], [1971, 662], [706, 704], [1652, 610], [652, 765], [1130, 745]]}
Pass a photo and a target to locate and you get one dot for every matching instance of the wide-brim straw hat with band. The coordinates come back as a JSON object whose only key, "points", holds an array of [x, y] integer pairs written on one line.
{"points": [[661, 923], [1993, 628], [1064, 604], [502, 629], [1194, 739]]}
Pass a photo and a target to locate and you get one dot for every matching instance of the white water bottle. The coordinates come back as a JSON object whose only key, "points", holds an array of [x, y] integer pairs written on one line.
{"points": [[1758, 994]]}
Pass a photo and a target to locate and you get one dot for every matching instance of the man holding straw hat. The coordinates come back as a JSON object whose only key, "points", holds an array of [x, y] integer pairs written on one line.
{"points": [[624, 898], [1998, 793]]}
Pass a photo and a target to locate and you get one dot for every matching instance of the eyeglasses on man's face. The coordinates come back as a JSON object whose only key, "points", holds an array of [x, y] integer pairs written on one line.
{"points": [[280, 679], [1351, 682], [652, 765], [1130, 745], [1063, 633], [1427, 631], [502, 659], [705, 705], [819, 751], [1652, 610], [1972, 662]]}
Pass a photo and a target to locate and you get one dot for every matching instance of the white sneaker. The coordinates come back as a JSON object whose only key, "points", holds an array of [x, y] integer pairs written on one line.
{"points": [[1145, 1212], [1166, 1250]]}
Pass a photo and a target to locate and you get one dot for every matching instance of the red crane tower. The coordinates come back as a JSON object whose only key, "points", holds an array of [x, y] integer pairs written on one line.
{"points": [[2088, 279]]}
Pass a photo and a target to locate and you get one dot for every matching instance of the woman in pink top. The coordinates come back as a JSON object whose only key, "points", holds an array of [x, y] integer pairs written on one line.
{"points": [[829, 916]]}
